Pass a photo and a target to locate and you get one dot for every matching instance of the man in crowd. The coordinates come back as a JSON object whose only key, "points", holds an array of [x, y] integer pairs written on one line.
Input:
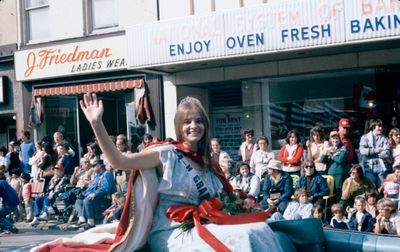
{"points": [[57, 185], [9, 204], [344, 127], [27, 150], [375, 151], [97, 194]]}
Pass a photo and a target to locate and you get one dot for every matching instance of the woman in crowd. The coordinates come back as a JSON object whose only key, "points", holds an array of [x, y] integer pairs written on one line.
{"points": [[247, 148], [226, 165], [315, 148], [82, 175], [277, 187], [147, 138], [248, 181], [217, 155], [394, 142], [187, 178], [261, 157], [35, 160], [291, 153], [93, 152], [387, 221], [335, 157], [312, 182], [355, 185], [46, 163]]}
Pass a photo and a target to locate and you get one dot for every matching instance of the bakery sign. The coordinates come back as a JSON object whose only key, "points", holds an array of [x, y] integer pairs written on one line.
{"points": [[85, 57]]}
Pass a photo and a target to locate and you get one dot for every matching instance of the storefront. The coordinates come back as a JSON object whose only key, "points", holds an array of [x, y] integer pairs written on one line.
{"points": [[285, 65], [9, 95], [57, 76]]}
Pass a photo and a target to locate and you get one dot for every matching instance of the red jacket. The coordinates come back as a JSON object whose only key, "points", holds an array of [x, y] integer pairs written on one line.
{"points": [[295, 161]]}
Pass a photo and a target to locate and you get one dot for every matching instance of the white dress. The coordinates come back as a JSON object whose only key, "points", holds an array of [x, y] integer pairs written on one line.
{"points": [[177, 187]]}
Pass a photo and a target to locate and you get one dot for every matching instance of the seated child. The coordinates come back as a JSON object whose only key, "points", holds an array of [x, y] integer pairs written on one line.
{"points": [[16, 183], [391, 187], [27, 196], [371, 207], [317, 211], [115, 210], [118, 213], [359, 218], [297, 209], [338, 220]]}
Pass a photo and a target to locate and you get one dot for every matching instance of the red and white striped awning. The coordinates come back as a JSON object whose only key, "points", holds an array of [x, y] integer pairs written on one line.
{"points": [[97, 87]]}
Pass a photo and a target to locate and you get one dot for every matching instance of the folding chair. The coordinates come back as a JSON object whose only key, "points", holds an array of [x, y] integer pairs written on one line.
{"points": [[37, 187], [331, 186]]}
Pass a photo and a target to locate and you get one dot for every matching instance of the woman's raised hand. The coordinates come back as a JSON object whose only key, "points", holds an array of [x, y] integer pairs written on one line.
{"points": [[91, 107]]}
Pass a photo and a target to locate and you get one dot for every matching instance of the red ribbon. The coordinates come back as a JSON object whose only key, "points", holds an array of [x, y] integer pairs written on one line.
{"points": [[209, 211]]}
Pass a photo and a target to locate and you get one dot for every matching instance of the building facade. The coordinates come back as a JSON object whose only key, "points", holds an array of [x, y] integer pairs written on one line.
{"points": [[68, 48], [275, 65], [10, 91]]}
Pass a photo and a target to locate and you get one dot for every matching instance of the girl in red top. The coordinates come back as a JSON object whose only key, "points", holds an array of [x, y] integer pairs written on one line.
{"points": [[291, 153]]}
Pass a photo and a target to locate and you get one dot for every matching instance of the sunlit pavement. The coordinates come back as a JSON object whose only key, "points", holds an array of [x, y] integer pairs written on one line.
{"points": [[29, 237]]}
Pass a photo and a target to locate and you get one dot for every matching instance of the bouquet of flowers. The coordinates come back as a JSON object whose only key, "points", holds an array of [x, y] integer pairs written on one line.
{"points": [[216, 210]]}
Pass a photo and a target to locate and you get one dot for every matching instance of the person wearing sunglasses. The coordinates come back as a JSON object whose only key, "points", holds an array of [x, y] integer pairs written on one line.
{"points": [[314, 184]]}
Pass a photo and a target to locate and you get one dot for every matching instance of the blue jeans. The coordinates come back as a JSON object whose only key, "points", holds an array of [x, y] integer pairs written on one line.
{"points": [[86, 207], [26, 168], [6, 210], [376, 175], [42, 203]]}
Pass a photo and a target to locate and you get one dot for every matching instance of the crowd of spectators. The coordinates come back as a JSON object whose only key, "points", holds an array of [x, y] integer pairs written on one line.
{"points": [[365, 188], [35, 184]]}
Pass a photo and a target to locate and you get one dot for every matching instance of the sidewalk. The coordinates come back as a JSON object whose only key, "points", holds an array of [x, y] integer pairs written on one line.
{"points": [[29, 237]]}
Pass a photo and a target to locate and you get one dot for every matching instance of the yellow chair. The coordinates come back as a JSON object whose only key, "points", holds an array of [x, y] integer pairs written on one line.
{"points": [[331, 185], [295, 180]]}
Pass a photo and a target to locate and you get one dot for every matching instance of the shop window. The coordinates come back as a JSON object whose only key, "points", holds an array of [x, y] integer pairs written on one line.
{"points": [[60, 115], [37, 17], [226, 96], [227, 117], [104, 14], [307, 101]]}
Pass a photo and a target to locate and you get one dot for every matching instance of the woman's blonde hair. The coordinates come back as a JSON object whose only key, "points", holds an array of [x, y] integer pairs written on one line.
{"points": [[393, 132], [192, 104], [386, 203]]}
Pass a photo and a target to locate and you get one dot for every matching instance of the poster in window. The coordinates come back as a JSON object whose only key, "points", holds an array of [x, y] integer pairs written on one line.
{"points": [[226, 127]]}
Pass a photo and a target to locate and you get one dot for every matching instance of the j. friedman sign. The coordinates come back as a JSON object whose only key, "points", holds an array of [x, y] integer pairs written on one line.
{"points": [[267, 28], [85, 57]]}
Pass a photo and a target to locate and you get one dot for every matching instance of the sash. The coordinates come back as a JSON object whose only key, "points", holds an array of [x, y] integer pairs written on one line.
{"points": [[200, 186]]}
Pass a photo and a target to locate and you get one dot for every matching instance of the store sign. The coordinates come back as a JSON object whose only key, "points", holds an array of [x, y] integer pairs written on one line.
{"points": [[262, 29], [71, 59], [372, 19]]}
